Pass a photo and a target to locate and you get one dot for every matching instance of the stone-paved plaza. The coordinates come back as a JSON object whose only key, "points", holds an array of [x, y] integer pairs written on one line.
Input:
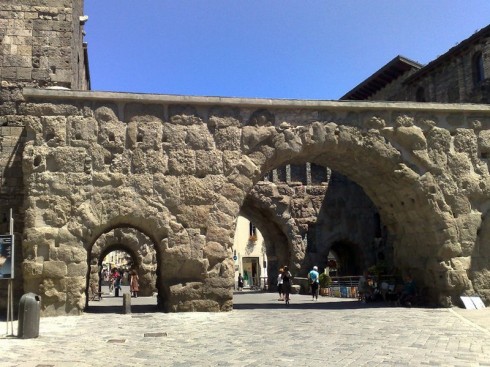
{"points": [[260, 331]]}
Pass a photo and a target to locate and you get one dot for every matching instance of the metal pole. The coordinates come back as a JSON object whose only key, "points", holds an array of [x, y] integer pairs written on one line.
{"points": [[8, 308], [10, 298], [11, 223]]}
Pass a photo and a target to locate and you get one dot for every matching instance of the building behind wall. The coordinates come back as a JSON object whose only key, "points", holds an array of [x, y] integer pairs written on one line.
{"points": [[461, 75], [249, 254]]}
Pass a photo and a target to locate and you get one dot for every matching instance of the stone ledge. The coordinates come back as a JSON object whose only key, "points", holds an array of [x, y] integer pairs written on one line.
{"points": [[36, 93]]}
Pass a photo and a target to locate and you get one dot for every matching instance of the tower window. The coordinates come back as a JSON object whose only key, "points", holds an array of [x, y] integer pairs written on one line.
{"points": [[478, 70]]}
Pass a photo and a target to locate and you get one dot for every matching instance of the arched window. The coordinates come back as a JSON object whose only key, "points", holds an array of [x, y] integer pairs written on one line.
{"points": [[478, 71]]}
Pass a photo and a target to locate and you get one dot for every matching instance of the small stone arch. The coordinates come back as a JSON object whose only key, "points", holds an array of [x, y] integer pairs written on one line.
{"points": [[141, 249], [350, 257]]}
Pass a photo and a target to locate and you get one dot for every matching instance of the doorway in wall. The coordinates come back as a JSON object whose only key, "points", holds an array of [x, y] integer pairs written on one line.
{"points": [[251, 271]]}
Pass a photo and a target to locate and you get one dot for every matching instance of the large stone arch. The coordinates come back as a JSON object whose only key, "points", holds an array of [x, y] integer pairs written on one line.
{"points": [[179, 168], [398, 170]]}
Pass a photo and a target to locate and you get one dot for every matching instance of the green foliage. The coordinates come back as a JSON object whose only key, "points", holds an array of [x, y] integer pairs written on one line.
{"points": [[380, 268], [324, 280]]}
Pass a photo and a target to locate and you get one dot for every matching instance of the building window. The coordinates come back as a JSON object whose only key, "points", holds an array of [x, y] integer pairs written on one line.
{"points": [[252, 232], [281, 174], [298, 173], [420, 94], [478, 71], [269, 177], [318, 174]]}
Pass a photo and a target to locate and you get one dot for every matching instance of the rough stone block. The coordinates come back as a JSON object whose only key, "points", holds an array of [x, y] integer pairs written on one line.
{"points": [[182, 162], [32, 269], [173, 136], [66, 159], [24, 73], [77, 270], [54, 130], [55, 269], [215, 253], [208, 162], [195, 191]]}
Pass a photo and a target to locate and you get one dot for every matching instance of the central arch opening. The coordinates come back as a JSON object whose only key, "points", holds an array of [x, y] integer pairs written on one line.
{"points": [[308, 214]]}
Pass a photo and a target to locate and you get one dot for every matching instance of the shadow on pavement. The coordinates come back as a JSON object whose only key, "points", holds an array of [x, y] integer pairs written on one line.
{"points": [[103, 309], [309, 306], [266, 300]]}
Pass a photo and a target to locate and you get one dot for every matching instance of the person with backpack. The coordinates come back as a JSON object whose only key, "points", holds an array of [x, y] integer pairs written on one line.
{"points": [[314, 279]]}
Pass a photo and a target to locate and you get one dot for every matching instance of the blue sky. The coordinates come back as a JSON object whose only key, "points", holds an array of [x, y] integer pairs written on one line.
{"points": [[266, 48]]}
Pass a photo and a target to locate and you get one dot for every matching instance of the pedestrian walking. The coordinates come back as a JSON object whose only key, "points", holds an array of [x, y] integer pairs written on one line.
{"points": [[112, 280], [117, 283], [314, 279], [286, 283], [280, 283], [134, 286], [240, 282]]}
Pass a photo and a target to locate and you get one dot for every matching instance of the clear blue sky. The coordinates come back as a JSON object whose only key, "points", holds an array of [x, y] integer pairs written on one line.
{"points": [[317, 49]]}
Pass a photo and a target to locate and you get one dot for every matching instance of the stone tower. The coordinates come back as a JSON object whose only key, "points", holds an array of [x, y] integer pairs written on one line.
{"points": [[41, 43]]}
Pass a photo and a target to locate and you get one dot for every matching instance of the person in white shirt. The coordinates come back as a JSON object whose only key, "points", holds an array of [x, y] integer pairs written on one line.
{"points": [[280, 285]]}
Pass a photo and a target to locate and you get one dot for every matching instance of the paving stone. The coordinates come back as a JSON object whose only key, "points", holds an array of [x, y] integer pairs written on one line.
{"points": [[267, 335]]}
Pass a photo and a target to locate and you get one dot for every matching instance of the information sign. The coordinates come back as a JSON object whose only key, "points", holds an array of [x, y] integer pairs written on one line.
{"points": [[6, 257]]}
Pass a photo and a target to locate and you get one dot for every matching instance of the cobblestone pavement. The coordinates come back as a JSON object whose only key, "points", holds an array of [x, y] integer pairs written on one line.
{"points": [[260, 332]]}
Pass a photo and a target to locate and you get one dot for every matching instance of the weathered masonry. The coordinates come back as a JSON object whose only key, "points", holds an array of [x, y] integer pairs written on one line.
{"points": [[177, 170], [164, 177]]}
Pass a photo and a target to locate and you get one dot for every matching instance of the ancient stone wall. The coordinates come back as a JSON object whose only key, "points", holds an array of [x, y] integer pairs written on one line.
{"points": [[178, 170], [172, 173]]}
